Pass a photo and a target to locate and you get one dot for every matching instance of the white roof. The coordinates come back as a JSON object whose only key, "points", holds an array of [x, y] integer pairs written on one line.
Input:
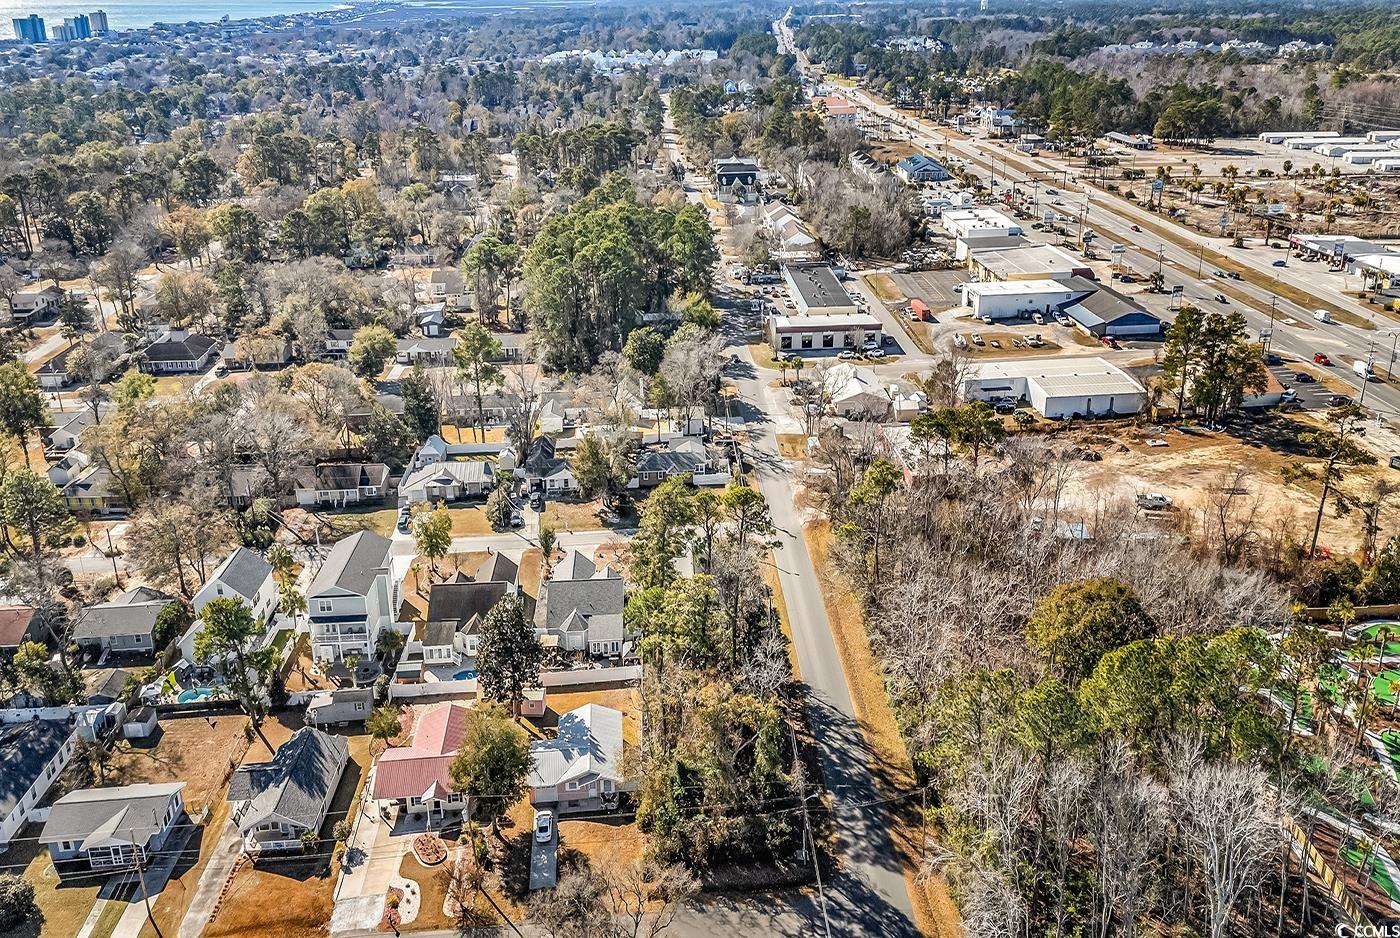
{"points": [[589, 741], [833, 323], [1387, 262], [1017, 287], [1060, 376]]}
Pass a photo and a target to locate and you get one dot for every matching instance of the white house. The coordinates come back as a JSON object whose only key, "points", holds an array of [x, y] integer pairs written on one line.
{"points": [[32, 755], [353, 597], [244, 575], [855, 391], [339, 484]]}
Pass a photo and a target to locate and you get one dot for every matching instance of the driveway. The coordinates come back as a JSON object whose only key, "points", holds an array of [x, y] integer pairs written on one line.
{"points": [[544, 863], [211, 883]]}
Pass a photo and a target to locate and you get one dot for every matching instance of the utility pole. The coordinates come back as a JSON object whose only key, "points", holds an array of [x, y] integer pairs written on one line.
{"points": [[141, 876], [1370, 363], [1201, 261], [807, 830]]}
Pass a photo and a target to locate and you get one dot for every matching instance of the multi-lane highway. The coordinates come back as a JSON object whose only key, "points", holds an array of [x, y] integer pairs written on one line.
{"points": [[1184, 259]]}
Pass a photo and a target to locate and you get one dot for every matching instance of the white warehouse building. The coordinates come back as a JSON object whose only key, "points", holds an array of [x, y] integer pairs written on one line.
{"points": [[1058, 388], [1012, 299]]}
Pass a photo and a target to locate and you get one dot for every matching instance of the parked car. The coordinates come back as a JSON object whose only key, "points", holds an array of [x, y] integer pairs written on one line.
{"points": [[846, 354], [1005, 407], [875, 353], [1038, 319], [870, 345], [1289, 396], [1321, 358], [887, 340], [977, 339], [1338, 400], [537, 501], [1303, 377], [1272, 359], [517, 519], [1395, 462], [544, 826], [404, 514], [1154, 501]]}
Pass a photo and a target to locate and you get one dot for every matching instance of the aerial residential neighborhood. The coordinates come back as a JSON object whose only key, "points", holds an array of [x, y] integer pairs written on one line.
{"points": [[608, 470]]}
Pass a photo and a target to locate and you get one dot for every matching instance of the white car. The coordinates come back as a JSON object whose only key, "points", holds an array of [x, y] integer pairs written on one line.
{"points": [[544, 827], [977, 339]]}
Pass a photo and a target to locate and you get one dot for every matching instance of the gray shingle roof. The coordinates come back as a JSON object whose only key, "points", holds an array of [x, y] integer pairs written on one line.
{"points": [[295, 784], [118, 617], [129, 814], [244, 572], [455, 603], [498, 569], [25, 748], [597, 597], [351, 563], [342, 476], [190, 348]]}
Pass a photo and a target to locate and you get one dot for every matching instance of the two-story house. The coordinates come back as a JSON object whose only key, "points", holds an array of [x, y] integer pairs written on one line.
{"points": [[244, 575], [353, 597], [580, 607], [581, 768]]}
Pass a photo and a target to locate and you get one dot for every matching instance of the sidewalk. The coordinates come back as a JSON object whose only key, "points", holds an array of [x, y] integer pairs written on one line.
{"points": [[211, 882]]}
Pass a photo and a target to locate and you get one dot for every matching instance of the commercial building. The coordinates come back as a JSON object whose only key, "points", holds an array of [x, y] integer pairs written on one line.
{"points": [[1031, 262], [30, 28], [817, 292], [98, 20], [1012, 299], [920, 168], [1102, 311], [1277, 137], [73, 28], [978, 222], [809, 333], [1132, 141], [1058, 388]]}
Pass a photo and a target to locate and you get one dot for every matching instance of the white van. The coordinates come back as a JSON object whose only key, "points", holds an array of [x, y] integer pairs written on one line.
{"points": [[1362, 369]]}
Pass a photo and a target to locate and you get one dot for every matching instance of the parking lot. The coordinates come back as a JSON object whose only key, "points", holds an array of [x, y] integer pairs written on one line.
{"points": [[937, 288]]}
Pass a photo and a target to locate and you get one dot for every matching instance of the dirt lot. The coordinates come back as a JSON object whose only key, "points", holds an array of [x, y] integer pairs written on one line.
{"points": [[1192, 463]]}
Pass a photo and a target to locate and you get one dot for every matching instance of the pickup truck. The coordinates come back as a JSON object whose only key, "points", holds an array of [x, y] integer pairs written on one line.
{"points": [[1154, 501]]}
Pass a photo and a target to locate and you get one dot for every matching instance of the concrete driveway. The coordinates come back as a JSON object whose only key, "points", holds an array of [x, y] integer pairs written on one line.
{"points": [[544, 863], [211, 882]]}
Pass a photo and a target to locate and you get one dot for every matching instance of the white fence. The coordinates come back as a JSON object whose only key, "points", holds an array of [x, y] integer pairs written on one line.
{"points": [[25, 714], [580, 677]]}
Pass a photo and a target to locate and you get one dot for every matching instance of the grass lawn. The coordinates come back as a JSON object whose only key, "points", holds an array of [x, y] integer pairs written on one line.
{"points": [[628, 700], [1383, 685], [199, 751], [455, 434], [1371, 634], [378, 520], [1391, 740], [469, 522], [64, 906], [575, 516], [934, 911]]}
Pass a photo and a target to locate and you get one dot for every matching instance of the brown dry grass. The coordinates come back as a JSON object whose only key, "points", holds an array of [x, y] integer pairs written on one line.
{"points": [[883, 286], [198, 751], [603, 842], [628, 700], [770, 576], [1008, 349], [934, 911], [64, 906], [299, 889], [469, 522]]}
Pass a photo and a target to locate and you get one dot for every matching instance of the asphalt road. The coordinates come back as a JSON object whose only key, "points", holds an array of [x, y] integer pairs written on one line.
{"points": [[1293, 330]]}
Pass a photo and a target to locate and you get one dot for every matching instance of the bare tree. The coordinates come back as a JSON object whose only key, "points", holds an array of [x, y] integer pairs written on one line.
{"points": [[1230, 822]]}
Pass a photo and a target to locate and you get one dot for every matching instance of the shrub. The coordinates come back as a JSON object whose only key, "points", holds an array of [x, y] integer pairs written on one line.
{"points": [[16, 900]]}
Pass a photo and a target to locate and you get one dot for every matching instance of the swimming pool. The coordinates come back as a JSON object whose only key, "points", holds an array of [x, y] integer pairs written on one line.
{"points": [[195, 693], [464, 676]]}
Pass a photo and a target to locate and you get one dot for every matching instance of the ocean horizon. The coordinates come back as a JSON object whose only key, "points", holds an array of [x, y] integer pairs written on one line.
{"points": [[130, 14]]}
